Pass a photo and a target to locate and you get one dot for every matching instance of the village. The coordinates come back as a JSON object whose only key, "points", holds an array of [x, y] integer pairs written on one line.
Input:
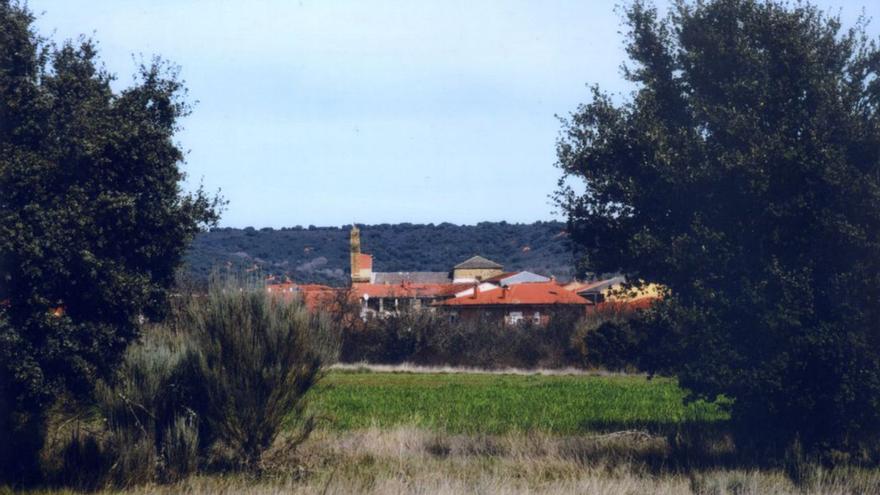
{"points": [[476, 288], [416, 248]]}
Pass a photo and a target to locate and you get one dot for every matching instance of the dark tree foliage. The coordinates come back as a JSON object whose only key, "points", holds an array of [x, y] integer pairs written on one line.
{"points": [[743, 174], [321, 254], [93, 222]]}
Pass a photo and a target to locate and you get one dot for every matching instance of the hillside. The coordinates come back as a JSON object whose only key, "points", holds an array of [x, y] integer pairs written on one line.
{"points": [[320, 254]]}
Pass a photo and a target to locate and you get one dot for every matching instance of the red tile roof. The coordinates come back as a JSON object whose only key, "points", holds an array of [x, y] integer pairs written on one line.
{"points": [[532, 293], [365, 261], [314, 296], [406, 290]]}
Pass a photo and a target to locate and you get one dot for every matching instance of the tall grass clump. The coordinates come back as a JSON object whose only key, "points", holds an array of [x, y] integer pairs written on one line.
{"points": [[259, 356]]}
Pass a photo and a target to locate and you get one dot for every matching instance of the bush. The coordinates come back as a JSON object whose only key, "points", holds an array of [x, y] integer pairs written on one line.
{"points": [[429, 338], [609, 338], [211, 388], [140, 428], [259, 357]]}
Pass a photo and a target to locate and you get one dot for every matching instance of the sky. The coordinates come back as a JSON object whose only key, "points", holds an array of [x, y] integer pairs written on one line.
{"points": [[332, 112]]}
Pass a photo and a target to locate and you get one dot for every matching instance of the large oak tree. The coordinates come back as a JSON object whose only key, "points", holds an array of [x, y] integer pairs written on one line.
{"points": [[743, 173], [93, 220]]}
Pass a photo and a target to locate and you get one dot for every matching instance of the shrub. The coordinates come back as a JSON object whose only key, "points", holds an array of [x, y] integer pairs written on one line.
{"points": [[81, 462], [141, 427], [259, 356], [180, 448], [429, 338], [608, 338], [210, 388]]}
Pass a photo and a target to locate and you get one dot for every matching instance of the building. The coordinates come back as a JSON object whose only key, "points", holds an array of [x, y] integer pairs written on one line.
{"points": [[475, 288], [614, 290], [384, 293], [361, 264], [475, 269], [533, 302], [513, 278], [315, 296], [378, 300]]}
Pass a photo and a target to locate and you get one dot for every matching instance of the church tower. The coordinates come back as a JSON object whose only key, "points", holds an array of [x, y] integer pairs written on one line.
{"points": [[361, 264]]}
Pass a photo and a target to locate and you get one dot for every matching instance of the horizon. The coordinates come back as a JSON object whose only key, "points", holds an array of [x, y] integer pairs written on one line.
{"points": [[362, 225], [379, 112]]}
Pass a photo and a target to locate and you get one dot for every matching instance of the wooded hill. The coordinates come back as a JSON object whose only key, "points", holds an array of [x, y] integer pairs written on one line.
{"points": [[320, 254]]}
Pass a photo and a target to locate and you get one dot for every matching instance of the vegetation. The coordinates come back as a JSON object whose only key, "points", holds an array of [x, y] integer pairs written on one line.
{"points": [[93, 222], [258, 358], [743, 175], [371, 450], [428, 338], [209, 390], [407, 460], [485, 403], [320, 254]]}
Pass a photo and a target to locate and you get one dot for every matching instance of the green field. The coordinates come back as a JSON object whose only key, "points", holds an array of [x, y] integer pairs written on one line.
{"points": [[485, 403]]}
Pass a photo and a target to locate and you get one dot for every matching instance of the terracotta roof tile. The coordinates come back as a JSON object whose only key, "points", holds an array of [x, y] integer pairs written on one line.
{"points": [[532, 293], [365, 261], [407, 290]]}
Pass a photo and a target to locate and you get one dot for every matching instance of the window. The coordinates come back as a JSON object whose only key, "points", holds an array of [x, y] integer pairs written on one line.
{"points": [[537, 317], [515, 317]]}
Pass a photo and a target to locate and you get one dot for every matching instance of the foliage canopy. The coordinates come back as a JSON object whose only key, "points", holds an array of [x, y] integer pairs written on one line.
{"points": [[321, 254], [744, 174], [93, 221]]}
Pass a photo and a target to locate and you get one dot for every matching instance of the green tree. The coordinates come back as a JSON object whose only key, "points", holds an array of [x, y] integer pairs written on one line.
{"points": [[93, 222], [742, 172]]}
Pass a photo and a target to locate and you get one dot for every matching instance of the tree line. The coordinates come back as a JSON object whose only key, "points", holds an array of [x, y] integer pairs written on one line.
{"points": [[320, 254]]}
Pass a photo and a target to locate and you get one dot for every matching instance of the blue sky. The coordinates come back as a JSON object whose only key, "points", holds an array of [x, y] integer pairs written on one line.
{"points": [[332, 112]]}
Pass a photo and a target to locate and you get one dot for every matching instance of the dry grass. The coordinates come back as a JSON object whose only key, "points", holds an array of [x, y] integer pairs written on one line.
{"points": [[409, 460]]}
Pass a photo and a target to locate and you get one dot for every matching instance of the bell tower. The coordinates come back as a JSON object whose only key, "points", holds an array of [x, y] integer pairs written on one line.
{"points": [[361, 264], [354, 241]]}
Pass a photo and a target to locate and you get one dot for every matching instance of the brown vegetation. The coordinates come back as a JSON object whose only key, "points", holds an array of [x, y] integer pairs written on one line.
{"points": [[408, 460]]}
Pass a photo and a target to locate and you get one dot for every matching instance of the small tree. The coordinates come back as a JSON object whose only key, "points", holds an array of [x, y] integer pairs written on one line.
{"points": [[93, 222], [744, 174]]}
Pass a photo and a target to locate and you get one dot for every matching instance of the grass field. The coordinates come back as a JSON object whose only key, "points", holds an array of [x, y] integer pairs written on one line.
{"points": [[492, 404], [458, 433]]}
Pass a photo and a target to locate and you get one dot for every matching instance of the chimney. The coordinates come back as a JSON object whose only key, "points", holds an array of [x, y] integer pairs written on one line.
{"points": [[504, 290], [476, 290]]}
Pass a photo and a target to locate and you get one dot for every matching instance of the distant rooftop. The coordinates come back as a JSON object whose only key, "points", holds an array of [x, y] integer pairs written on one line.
{"points": [[395, 278], [477, 262], [365, 261], [534, 293]]}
